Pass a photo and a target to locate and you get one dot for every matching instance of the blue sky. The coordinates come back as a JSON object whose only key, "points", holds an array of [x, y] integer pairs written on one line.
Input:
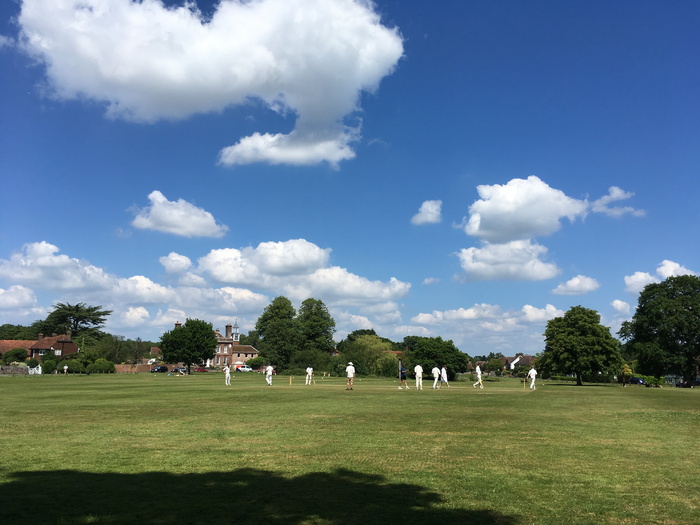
{"points": [[463, 169]]}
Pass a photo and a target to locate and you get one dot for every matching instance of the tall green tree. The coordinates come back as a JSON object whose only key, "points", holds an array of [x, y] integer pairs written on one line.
{"points": [[434, 351], [316, 326], [80, 319], [664, 333], [371, 355], [192, 343], [278, 333], [577, 344]]}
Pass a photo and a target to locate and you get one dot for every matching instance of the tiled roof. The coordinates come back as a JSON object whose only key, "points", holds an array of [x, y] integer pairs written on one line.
{"points": [[10, 344]]}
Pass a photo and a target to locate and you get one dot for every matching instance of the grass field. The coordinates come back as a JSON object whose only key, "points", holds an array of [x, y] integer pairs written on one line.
{"points": [[152, 448]]}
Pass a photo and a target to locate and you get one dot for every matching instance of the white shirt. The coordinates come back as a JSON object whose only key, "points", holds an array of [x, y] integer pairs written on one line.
{"points": [[418, 370], [436, 372], [309, 371], [444, 374], [269, 370], [478, 371], [532, 373], [350, 371]]}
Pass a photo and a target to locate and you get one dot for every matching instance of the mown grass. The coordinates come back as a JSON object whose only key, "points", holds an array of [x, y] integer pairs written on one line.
{"points": [[153, 448]]}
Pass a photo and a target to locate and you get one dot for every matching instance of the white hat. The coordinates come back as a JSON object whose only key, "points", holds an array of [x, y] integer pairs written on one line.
{"points": [[350, 363]]}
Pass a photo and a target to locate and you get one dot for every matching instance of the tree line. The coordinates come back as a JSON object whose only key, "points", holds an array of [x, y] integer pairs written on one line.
{"points": [[662, 338]]}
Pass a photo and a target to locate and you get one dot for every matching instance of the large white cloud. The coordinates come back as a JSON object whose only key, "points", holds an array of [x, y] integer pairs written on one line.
{"points": [[17, 296], [516, 260], [300, 270], [39, 265], [177, 217], [311, 58], [520, 210]]}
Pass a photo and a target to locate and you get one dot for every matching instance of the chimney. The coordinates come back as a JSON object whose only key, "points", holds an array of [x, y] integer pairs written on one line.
{"points": [[40, 336], [228, 331], [68, 333], [177, 324]]}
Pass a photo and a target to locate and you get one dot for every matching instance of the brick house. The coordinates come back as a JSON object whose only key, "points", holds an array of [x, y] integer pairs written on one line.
{"points": [[57, 345], [229, 350]]}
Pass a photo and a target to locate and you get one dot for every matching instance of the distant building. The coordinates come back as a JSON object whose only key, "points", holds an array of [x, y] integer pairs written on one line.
{"points": [[58, 346], [229, 350]]}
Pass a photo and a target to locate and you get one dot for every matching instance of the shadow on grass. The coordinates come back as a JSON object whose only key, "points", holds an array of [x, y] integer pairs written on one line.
{"points": [[241, 496]]}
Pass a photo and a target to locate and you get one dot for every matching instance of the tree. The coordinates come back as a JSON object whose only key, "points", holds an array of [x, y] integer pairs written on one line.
{"points": [[577, 343], [192, 343], [278, 332], [80, 319], [371, 355], [434, 351], [316, 326], [664, 333]]}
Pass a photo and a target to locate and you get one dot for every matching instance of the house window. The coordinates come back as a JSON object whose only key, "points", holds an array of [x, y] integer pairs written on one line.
{"points": [[57, 352], [42, 352], [239, 354], [218, 360], [225, 360]]}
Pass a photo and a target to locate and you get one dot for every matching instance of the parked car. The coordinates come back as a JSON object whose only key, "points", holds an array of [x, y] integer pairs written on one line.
{"points": [[179, 370], [201, 369], [157, 369], [636, 381], [243, 368]]}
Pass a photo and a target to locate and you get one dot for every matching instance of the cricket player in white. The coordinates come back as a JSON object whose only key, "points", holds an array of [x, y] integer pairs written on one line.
{"points": [[436, 375], [532, 374], [478, 378], [309, 375], [268, 375], [227, 375], [419, 377]]}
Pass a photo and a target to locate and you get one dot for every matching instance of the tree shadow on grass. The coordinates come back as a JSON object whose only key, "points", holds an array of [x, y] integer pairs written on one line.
{"points": [[241, 496]]}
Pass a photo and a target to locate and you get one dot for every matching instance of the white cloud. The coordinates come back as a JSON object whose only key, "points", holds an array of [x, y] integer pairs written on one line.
{"points": [[516, 260], [429, 213], [143, 290], [621, 307], [672, 269], [430, 280], [533, 314], [6, 41], [289, 257], [615, 194], [478, 311], [179, 218], [135, 316], [520, 210], [148, 62], [39, 266], [175, 263], [577, 285], [636, 282], [16, 297]]}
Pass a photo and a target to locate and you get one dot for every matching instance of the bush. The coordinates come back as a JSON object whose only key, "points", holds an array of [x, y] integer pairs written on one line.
{"points": [[33, 362], [101, 366], [74, 367], [48, 366], [16, 354]]}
